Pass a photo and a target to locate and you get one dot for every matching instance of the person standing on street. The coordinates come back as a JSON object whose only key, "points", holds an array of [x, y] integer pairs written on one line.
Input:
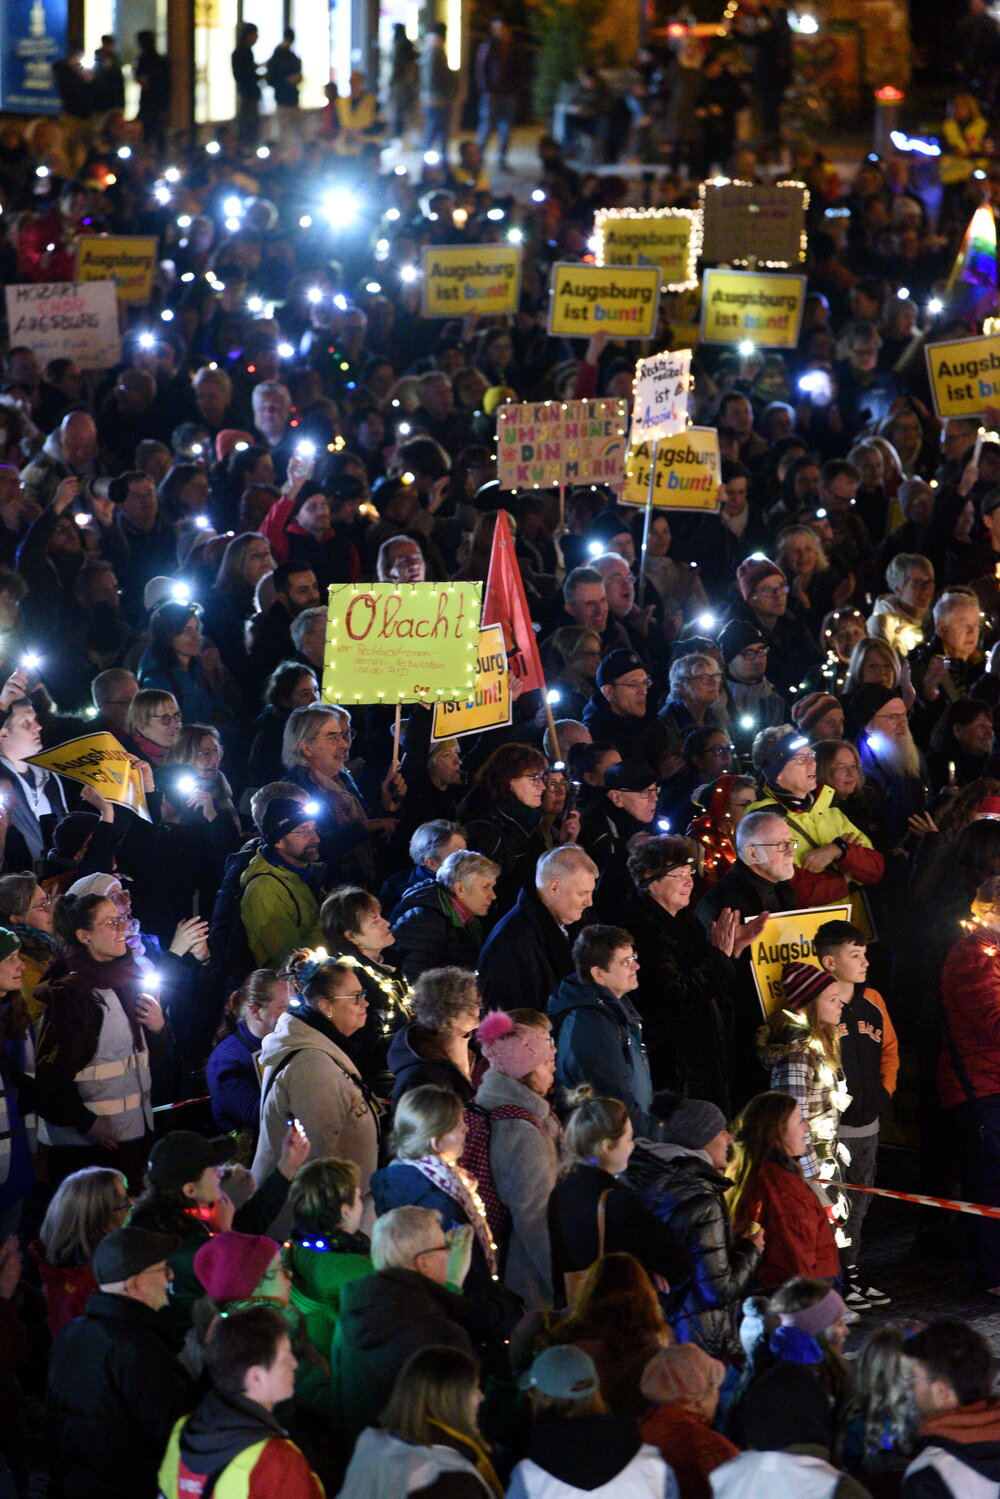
{"points": [[498, 63], [284, 75], [151, 71], [404, 82], [247, 87], [438, 90]]}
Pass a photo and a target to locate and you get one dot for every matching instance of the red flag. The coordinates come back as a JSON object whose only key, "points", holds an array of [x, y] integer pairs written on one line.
{"points": [[505, 604]]}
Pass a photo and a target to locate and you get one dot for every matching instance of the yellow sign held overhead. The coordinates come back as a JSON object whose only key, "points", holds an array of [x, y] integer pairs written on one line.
{"points": [[620, 301], [668, 238], [788, 937], [127, 260], [459, 279], [98, 760], [401, 642], [964, 375], [489, 707], [761, 307], [687, 474]]}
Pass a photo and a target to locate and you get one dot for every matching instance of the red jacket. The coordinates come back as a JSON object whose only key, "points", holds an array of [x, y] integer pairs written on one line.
{"points": [[67, 1290], [690, 1446], [970, 994], [797, 1233]]}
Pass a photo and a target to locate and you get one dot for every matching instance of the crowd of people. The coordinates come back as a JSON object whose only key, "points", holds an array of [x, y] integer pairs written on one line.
{"points": [[367, 1119]]}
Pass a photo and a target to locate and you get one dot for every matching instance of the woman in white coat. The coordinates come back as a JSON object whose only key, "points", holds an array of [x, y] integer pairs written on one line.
{"points": [[308, 1073]]}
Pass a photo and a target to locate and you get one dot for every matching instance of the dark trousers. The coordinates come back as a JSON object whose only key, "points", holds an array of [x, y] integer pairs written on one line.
{"points": [[861, 1171], [977, 1136]]}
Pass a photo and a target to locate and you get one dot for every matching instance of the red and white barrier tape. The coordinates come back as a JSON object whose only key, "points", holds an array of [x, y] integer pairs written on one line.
{"points": [[185, 1103], [977, 1209]]}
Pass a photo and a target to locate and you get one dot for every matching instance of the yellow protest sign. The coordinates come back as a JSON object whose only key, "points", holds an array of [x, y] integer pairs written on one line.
{"points": [[127, 260], [964, 375], [97, 760], [470, 278], [490, 704], [687, 472], [668, 238], [618, 300], [401, 642], [756, 305], [788, 937]]}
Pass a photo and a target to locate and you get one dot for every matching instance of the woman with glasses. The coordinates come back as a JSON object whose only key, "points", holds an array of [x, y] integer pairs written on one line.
{"points": [[695, 700], [87, 1206], [815, 586], [502, 817], [576, 654], [838, 765], [308, 1073], [840, 632], [195, 790], [707, 754], [99, 1033], [26, 908], [179, 661], [153, 723], [355, 931], [687, 978]]}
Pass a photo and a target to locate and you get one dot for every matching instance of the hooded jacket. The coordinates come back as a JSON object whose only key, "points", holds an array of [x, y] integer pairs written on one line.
{"points": [[599, 1041], [814, 825], [682, 1188], [524, 957], [306, 1074], [238, 1446], [602, 1456], [416, 1057], [383, 1466], [278, 909], [429, 935], [959, 1456]]}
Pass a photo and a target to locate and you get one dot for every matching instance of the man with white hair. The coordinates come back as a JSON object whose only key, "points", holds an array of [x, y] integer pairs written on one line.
{"points": [[439, 924], [528, 953], [272, 408], [644, 634], [945, 667]]}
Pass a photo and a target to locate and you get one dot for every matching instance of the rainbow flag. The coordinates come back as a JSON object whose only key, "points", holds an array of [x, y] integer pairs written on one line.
{"points": [[972, 285]]}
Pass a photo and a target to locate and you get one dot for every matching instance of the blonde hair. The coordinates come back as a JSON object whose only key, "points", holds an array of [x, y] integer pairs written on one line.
{"points": [[433, 1389], [879, 1394], [591, 1120], [79, 1215], [422, 1115]]}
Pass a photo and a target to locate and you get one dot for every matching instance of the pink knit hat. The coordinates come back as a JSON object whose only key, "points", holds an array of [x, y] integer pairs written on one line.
{"points": [[753, 571], [230, 1265], [818, 1317], [681, 1374], [512, 1049]]}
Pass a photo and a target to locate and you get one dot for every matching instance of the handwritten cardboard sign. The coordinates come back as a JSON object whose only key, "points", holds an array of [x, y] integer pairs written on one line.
{"points": [[401, 642], [60, 319], [660, 393], [542, 444]]}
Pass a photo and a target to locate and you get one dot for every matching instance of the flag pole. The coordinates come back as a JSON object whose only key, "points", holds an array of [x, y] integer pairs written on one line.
{"points": [[645, 528], [396, 727]]}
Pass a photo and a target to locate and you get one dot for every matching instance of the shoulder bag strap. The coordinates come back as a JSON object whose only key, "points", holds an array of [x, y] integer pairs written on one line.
{"points": [[602, 1220]]}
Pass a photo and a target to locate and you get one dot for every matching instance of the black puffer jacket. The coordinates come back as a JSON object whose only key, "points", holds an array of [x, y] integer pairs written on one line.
{"points": [[429, 936], [682, 1188], [494, 830]]}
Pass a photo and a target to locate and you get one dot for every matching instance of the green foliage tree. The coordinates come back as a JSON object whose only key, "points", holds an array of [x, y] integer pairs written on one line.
{"points": [[562, 30]]}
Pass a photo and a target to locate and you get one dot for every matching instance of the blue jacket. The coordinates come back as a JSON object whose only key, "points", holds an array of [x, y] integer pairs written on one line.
{"points": [[197, 699], [599, 1041], [234, 1082], [400, 1185]]}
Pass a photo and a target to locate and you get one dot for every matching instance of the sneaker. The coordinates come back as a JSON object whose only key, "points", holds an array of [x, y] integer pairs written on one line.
{"points": [[874, 1296], [855, 1299]]}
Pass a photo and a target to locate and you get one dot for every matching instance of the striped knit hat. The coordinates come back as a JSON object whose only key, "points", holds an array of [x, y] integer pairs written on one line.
{"points": [[802, 983]]}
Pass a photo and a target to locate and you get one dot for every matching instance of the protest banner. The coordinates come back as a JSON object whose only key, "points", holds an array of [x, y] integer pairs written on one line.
{"points": [[686, 475], [401, 642], [62, 319], [669, 238], [620, 301], [743, 222], [543, 444], [756, 305], [660, 396], [964, 375], [126, 259], [459, 279], [489, 707], [98, 760], [505, 604], [788, 937]]}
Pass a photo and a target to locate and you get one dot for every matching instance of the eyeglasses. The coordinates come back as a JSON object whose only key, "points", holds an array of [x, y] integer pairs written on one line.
{"points": [[167, 717], [890, 717], [754, 650], [345, 734], [720, 749], [804, 757], [539, 778], [646, 683], [787, 846], [41, 902], [630, 962], [707, 676], [684, 873], [434, 1249], [358, 997], [116, 924], [774, 592]]}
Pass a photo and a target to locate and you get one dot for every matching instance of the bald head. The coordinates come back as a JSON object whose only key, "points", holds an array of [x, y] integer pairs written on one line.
{"points": [[78, 439]]}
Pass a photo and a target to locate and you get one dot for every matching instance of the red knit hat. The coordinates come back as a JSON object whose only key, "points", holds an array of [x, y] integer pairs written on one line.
{"points": [[753, 572], [808, 711], [230, 1266], [802, 983]]}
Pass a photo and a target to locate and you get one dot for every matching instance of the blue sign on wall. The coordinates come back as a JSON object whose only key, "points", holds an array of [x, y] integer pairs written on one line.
{"points": [[33, 35]]}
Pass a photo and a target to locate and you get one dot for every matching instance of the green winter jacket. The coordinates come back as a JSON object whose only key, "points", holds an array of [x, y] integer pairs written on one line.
{"points": [[278, 910], [318, 1277]]}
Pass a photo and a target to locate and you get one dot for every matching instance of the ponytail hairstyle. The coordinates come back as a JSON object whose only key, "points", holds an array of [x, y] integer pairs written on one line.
{"points": [[591, 1120], [310, 974], [74, 912]]}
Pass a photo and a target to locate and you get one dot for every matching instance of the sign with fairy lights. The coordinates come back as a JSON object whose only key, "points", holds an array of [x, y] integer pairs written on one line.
{"points": [[759, 307], [678, 473], [401, 642], [489, 706], [459, 279], [964, 375], [545, 444], [745, 222], [618, 300], [788, 937], [669, 238], [660, 393], [129, 260]]}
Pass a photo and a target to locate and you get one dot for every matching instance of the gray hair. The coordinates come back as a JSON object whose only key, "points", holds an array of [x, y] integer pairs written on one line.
{"points": [[897, 574], [577, 578], [399, 1236], [560, 863], [685, 667], [430, 838], [302, 727], [600, 564], [105, 683], [465, 865], [749, 830], [949, 603], [271, 388], [442, 994], [301, 623], [765, 742]]}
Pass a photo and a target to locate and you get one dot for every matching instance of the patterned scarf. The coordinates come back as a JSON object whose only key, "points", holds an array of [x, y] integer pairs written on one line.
{"points": [[462, 1188]]}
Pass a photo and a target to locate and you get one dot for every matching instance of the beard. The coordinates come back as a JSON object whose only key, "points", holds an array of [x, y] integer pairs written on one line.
{"points": [[899, 757]]}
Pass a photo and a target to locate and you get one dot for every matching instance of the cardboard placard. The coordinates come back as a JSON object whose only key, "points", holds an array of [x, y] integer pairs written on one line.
{"points": [[128, 260], [470, 278], [543, 444], [97, 760], [58, 319], [620, 301], [761, 306], [660, 394], [688, 472], [788, 937], [401, 642], [669, 238], [750, 220], [964, 375], [490, 705]]}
